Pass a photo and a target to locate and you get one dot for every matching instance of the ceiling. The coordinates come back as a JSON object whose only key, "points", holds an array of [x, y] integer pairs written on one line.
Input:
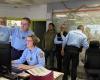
{"points": [[28, 2]]}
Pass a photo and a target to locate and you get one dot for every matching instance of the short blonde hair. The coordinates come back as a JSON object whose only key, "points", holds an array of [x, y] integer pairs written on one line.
{"points": [[4, 20], [35, 39]]}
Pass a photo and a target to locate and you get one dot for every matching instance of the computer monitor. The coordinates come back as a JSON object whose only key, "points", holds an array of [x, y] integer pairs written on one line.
{"points": [[5, 58]]}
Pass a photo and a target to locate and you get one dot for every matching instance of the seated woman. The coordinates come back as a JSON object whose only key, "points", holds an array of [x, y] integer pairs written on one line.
{"points": [[32, 54]]}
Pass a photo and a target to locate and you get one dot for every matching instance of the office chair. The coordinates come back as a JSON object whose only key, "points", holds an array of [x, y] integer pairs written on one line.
{"points": [[92, 61], [45, 77]]}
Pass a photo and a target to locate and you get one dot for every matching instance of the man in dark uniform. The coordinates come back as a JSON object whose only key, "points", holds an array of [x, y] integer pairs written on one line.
{"points": [[73, 41], [58, 42]]}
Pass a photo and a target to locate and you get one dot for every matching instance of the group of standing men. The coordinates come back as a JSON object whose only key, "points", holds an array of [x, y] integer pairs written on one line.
{"points": [[67, 44]]}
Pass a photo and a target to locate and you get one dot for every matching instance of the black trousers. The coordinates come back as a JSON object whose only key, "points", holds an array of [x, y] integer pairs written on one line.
{"points": [[71, 56], [49, 54], [59, 57], [16, 54]]}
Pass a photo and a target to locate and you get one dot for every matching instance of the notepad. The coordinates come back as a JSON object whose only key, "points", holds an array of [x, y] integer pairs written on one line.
{"points": [[39, 71]]}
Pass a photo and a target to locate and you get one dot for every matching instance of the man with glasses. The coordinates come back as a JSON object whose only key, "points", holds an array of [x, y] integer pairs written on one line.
{"points": [[18, 38]]}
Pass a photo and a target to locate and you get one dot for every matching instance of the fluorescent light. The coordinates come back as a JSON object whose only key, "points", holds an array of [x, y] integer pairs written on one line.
{"points": [[71, 19], [93, 5], [60, 15], [82, 14]]}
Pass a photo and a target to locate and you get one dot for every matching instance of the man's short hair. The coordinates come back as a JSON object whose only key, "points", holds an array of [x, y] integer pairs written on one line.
{"points": [[80, 26], [27, 19]]}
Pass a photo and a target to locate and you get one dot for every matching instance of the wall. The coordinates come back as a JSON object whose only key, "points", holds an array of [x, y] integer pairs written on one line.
{"points": [[34, 12], [58, 6], [38, 12], [70, 4], [10, 11]]}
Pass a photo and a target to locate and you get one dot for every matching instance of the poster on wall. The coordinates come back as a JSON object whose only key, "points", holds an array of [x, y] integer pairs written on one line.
{"points": [[13, 23]]}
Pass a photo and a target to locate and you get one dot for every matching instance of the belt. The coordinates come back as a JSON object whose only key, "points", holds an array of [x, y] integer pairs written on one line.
{"points": [[71, 46]]}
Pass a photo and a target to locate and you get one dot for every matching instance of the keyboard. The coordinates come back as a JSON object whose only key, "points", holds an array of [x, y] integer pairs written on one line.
{"points": [[10, 76], [16, 70]]}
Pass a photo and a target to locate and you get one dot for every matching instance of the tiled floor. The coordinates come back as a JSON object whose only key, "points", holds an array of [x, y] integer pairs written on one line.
{"points": [[81, 79]]}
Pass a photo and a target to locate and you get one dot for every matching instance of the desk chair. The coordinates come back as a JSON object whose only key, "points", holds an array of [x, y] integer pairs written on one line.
{"points": [[92, 61], [46, 77]]}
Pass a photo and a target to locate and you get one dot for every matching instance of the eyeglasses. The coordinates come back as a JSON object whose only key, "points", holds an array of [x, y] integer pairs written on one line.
{"points": [[29, 40], [24, 24]]}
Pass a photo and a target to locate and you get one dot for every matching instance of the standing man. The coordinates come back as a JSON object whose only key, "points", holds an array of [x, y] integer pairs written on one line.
{"points": [[58, 42], [48, 46], [18, 38], [73, 41], [4, 40], [4, 31]]}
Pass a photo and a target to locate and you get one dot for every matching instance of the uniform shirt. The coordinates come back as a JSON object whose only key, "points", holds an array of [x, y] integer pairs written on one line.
{"points": [[34, 57], [4, 34], [59, 38], [18, 38], [76, 38]]}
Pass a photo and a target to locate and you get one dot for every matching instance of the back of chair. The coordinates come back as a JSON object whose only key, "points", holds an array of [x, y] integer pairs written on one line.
{"points": [[92, 58], [46, 77], [94, 44]]}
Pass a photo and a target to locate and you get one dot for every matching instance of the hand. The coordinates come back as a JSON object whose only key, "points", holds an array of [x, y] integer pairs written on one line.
{"points": [[61, 33], [44, 49], [82, 57], [13, 62], [62, 52], [24, 67]]}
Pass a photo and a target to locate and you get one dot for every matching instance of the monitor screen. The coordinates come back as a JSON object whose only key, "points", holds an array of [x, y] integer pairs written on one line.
{"points": [[5, 58]]}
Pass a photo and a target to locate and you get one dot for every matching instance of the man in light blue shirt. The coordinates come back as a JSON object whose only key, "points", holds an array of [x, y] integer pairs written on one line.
{"points": [[18, 38], [72, 44], [4, 31], [4, 34]]}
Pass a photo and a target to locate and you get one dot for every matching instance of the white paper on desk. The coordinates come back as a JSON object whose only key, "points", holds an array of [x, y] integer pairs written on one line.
{"points": [[57, 74], [2, 78], [39, 71]]}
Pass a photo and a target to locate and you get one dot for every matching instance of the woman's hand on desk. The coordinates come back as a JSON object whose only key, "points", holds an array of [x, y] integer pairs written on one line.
{"points": [[24, 67], [13, 62], [21, 66]]}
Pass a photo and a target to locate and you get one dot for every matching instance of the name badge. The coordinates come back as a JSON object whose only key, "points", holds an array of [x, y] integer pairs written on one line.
{"points": [[23, 37]]}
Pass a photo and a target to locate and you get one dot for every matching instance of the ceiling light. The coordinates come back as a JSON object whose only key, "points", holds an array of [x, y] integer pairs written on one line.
{"points": [[93, 5], [13, 1], [82, 14], [61, 15], [71, 19]]}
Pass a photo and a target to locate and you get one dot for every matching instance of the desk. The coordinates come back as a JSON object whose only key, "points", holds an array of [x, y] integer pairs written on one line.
{"points": [[2, 78], [57, 75]]}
